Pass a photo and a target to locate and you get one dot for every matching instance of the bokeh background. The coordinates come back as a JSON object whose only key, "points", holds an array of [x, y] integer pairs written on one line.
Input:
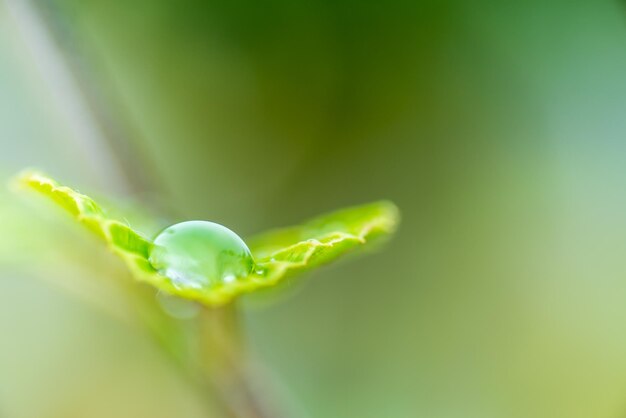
{"points": [[498, 128]]}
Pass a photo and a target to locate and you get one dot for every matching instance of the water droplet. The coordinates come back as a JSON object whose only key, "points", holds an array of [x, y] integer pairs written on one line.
{"points": [[200, 254], [177, 307]]}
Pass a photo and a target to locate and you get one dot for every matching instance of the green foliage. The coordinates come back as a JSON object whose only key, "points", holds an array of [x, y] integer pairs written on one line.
{"points": [[278, 254]]}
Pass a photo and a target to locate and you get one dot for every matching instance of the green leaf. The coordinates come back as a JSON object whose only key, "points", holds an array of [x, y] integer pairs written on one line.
{"points": [[127, 243], [279, 254], [323, 239]]}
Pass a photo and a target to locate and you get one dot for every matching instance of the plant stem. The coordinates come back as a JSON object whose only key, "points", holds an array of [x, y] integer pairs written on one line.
{"points": [[210, 352], [225, 364]]}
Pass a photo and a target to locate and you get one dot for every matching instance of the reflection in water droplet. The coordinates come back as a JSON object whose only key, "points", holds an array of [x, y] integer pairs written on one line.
{"points": [[200, 254], [229, 278]]}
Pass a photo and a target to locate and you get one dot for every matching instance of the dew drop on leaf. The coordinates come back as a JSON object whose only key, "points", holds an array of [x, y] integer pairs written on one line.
{"points": [[200, 254]]}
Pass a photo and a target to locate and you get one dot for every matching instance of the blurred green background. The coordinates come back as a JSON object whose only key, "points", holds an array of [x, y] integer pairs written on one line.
{"points": [[497, 127]]}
